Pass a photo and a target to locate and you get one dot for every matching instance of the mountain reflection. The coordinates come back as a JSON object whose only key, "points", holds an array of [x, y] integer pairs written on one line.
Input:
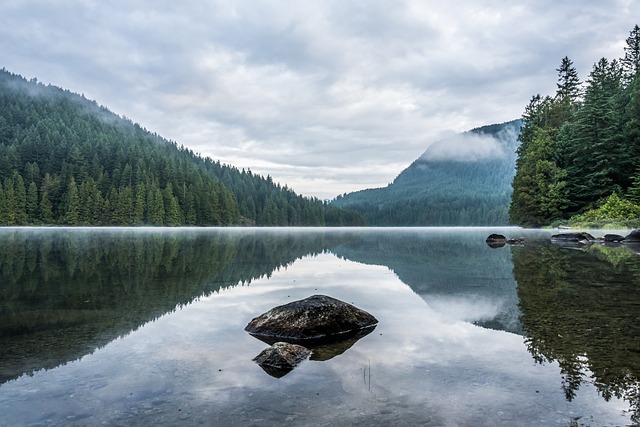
{"points": [[581, 308], [65, 293], [455, 272]]}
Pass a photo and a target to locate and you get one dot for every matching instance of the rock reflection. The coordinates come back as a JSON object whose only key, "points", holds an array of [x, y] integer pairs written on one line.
{"points": [[580, 308], [321, 350], [280, 359]]}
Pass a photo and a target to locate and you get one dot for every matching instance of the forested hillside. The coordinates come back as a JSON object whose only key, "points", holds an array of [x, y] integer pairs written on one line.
{"points": [[462, 180], [66, 160], [580, 151]]}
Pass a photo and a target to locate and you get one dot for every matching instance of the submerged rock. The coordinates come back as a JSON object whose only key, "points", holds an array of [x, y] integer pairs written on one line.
{"points": [[613, 238], [280, 359], [318, 318], [515, 241], [568, 238], [496, 240]]}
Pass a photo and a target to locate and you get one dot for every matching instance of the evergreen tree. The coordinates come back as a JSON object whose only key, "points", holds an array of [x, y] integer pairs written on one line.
{"points": [[155, 207], [139, 204], [539, 188], [72, 204], [20, 200], [595, 156], [568, 81], [10, 202], [631, 60], [32, 203], [46, 206], [173, 216]]}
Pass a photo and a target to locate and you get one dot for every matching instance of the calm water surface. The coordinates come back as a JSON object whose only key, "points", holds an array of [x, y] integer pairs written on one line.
{"points": [[145, 327]]}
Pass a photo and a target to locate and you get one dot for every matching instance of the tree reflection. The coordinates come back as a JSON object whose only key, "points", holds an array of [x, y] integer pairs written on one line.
{"points": [[64, 293], [580, 307]]}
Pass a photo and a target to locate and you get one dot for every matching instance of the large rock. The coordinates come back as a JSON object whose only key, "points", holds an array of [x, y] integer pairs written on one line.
{"points": [[280, 359], [633, 237], [318, 318]]}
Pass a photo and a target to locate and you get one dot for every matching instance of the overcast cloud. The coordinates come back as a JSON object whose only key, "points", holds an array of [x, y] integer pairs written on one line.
{"points": [[325, 96]]}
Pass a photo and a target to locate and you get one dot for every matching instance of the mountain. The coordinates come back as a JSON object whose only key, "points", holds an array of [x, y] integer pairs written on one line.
{"points": [[462, 180], [66, 160]]}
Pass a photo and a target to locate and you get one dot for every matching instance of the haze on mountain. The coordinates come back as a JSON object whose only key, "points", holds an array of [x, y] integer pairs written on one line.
{"points": [[461, 180]]}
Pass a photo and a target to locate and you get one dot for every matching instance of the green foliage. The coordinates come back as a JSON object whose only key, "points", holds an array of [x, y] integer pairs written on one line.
{"points": [[66, 160], [576, 152], [539, 188], [614, 210]]}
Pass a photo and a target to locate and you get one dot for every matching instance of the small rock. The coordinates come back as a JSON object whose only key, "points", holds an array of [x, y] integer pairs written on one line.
{"points": [[280, 359], [496, 240]]}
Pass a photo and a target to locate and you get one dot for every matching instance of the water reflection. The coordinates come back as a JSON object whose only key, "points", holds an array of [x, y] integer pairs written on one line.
{"points": [[147, 326], [580, 307], [65, 293], [456, 273]]}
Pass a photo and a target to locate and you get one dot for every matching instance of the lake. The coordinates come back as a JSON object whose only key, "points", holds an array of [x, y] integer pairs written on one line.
{"points": [[145, 326]]}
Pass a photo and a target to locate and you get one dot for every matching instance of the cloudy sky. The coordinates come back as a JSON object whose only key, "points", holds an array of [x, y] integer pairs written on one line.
{"points": [[325, 96]]}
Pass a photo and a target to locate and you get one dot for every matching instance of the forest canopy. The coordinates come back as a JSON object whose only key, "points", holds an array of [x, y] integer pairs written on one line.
{"points": [[582, 145], [65, 160]]}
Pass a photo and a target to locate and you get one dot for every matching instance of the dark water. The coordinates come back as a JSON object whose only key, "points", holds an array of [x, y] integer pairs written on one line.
{"points": [[145, 327]]}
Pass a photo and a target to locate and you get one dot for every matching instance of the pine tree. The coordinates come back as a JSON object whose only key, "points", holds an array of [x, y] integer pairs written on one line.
{"points": [[539, 188], [10, 202], [20, 200], [595, 155], [172, 210], [72, 204], [631, 60], [46, 206], [139, 204], [155, 207], [32, 203], [568, 81]]}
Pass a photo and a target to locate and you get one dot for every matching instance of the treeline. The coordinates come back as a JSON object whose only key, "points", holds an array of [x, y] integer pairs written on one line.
{"points": [[459, 207], [581, 146], [65, 160]]}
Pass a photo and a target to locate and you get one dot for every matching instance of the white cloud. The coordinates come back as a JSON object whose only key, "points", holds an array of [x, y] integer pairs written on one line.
{"points": [[466, 147], [297, 89]]}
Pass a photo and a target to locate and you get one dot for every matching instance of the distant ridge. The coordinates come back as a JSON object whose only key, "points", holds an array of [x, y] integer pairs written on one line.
{"points": [[463, 180]]}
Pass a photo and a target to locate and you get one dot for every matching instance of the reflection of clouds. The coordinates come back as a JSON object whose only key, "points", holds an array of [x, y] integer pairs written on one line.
{"points": [[423, 364], [467, 308]]}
